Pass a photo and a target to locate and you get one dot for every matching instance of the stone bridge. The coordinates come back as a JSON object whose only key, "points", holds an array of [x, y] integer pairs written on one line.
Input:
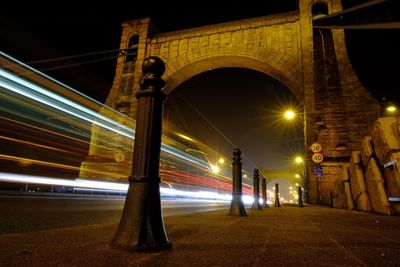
{"points": [[312, 63]]}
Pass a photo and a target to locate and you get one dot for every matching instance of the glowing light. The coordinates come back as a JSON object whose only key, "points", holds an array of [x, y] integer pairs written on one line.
{"points": [[289, 115], [297, 175], [185, 137], [221, 160], [247, 199], [214, 168], [123, 187], [10, 177], [298, 160], [391, 108]]}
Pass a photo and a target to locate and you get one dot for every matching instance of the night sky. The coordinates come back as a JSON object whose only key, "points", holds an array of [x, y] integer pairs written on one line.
{"points": [[247, 118]]}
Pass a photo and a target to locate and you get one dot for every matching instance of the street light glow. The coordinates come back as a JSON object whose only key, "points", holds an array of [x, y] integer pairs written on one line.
{"points": [[214, 168], [298, 159], [391, 108], [221, 160], [289, 115]]}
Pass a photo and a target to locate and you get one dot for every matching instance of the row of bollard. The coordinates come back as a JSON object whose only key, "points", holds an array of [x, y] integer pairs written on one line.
{"points": [[237, 207], [141, 227]]}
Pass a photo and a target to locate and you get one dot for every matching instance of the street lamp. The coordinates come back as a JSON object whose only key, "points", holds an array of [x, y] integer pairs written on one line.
{"points": [[289, 115], [298, 160]]}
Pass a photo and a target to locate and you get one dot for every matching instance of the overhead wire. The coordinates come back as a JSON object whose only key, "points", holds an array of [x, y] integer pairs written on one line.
{"points": [[120, 53]]}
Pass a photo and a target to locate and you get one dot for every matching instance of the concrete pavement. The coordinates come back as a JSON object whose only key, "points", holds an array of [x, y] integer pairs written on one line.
{"points": [[285, 236]]}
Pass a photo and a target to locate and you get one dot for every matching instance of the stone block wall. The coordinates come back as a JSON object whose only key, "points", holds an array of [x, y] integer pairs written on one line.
{"points": [[373, 172]]}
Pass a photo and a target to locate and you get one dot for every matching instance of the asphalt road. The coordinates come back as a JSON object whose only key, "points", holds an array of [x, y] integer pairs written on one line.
{"points": [[25, 213]]}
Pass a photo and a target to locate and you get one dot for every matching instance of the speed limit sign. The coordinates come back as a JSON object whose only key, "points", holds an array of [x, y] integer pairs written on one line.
{"points": [[317, 157], [316, 147]]}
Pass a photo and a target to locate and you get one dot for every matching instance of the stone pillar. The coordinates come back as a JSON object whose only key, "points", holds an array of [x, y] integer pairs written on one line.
{"points": [[264, 193], [277, 203], [300, 197], [237, 207], [256, 191], [141, 226]]}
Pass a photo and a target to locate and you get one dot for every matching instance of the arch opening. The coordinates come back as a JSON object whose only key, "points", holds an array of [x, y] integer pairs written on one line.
{"points": [[231, 99]]}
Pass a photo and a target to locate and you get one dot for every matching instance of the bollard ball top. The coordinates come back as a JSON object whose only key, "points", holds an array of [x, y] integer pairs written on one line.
{"points": [[153, 65], [256, 171], [237, 152]]}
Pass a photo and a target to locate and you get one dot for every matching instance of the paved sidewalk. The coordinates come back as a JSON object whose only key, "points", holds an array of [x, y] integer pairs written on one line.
{"points": [[285, 236]]}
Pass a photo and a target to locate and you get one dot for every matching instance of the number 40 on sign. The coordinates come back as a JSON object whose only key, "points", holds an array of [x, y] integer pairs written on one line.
{"points": [[317, 157]]}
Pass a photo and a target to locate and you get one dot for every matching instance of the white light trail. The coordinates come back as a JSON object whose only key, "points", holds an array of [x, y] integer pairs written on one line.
{"points": [[122, 187]]}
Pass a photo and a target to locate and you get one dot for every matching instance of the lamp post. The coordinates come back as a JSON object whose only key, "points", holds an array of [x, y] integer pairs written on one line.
{"points": [[291, 115]]}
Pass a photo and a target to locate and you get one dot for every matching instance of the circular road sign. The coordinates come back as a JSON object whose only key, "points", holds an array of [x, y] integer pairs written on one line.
{"points": [[316, 147], [317, 157]]}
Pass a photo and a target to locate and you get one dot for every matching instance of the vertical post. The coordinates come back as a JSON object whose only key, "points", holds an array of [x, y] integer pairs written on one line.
{"points": [[256, 191], [330, 199], [300, 197], [237, 207], [277, 203], [264, 193], [141, 226]]}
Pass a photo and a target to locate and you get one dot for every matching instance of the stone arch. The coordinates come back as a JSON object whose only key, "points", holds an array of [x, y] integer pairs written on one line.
{"points": [[280, 45], [178, 75]]}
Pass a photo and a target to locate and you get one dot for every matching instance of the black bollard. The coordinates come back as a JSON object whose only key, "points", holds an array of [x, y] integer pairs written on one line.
{"points": [[264, 193], [277, 203], [330, 199], [256, 191], [300, 197], [141, 226], [237, 207]]}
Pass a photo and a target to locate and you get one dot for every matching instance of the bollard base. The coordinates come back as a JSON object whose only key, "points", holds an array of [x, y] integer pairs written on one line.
{"points": [[141, 227], [143, 248], [256, 206], [237, 206]]}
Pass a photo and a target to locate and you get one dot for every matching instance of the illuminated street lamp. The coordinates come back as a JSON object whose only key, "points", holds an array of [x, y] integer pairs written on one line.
{"points": [[214, 168], [221, 160], [289, 115], [391, 108], [298, 160]]}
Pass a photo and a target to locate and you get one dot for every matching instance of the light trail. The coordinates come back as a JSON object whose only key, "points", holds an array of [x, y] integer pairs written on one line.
{"points": [[123, 187], [32, 102]]}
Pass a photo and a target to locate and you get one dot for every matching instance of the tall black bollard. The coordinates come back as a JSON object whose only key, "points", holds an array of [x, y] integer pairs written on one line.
{"points": [[264, 193], [300, 197], [237, 207], [256, 191], [141, 226], [277, 195]]}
